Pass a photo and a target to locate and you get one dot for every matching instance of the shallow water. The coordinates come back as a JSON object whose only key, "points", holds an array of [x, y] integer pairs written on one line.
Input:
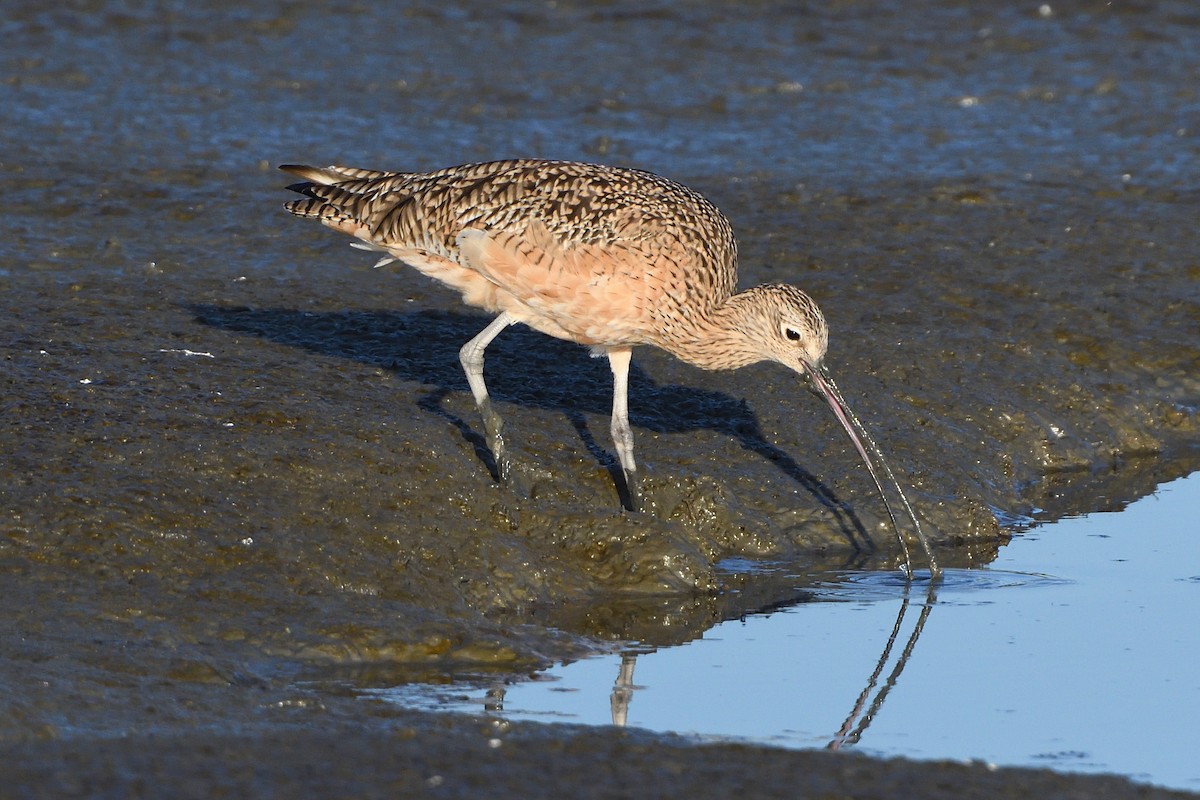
{"points": [[1074, 650]]}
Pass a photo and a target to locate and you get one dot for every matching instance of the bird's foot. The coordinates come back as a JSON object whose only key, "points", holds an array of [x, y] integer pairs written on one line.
{"points": [[504, 465], [632, 499], [493, 431]]}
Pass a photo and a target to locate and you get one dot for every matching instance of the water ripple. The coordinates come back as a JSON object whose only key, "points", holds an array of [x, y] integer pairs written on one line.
{"points": [[871, 586]]}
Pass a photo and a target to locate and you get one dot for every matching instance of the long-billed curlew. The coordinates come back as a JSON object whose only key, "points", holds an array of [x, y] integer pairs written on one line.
{"points": [[606, 257]]}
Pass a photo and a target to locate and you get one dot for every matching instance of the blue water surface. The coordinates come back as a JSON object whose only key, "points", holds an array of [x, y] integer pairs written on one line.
{"points": [[1076, 650]]}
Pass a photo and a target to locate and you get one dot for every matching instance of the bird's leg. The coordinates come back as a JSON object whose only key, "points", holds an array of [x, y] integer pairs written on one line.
{"points": [[622, 434], [471, 356], [622, 693]]}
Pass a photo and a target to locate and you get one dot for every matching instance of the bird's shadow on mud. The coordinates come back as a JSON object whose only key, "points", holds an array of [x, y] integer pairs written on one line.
{"points": [[525, 367]]}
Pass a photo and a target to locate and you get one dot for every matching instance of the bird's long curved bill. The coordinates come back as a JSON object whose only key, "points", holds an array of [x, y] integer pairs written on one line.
{"points": [[825, 386]]}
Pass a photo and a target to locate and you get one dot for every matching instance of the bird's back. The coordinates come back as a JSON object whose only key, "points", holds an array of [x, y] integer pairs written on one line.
{"points": [[631, 233]]}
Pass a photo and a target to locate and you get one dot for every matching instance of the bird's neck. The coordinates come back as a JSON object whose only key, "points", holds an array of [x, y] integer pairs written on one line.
{"points": [[723, 337]]}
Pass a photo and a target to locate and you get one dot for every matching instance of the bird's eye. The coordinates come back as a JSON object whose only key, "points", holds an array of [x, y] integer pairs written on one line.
{"points": [[792, 334]]}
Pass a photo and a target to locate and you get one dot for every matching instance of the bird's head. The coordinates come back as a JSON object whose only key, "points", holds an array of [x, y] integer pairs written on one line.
{"points": [[793, 330]]}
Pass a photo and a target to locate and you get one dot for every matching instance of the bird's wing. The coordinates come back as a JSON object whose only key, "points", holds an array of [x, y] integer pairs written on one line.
{"points": [[599, 293]]}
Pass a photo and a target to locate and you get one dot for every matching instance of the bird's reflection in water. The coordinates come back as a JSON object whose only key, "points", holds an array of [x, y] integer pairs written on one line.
{"points": [[861, 714], [865, 707], [493, 698], [622, 692], [850, 732]]}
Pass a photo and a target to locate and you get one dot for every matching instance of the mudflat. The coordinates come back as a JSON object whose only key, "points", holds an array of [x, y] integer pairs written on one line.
{"points": [[244, 476]]}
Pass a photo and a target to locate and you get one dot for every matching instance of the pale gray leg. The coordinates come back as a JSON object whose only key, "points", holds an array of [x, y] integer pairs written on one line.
{"points": [[622, 692], [471, 356], [622, 434]]}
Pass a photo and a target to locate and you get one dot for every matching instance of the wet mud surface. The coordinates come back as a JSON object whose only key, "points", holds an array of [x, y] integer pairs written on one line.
{"points": [[240, 464]]}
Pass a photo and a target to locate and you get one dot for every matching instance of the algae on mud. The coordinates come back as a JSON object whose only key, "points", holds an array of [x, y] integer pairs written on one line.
{"points": [[233, 451]]}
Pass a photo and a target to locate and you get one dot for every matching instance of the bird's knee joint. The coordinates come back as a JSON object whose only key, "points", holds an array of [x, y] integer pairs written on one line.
{"points": [[471, 357]]}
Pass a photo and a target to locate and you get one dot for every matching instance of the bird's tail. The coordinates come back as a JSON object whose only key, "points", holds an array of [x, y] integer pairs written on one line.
{"points": [[334, 174], [344, 198]]}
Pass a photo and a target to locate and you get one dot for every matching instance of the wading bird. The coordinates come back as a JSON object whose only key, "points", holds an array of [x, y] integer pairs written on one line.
{"points": [[606, 257]]}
